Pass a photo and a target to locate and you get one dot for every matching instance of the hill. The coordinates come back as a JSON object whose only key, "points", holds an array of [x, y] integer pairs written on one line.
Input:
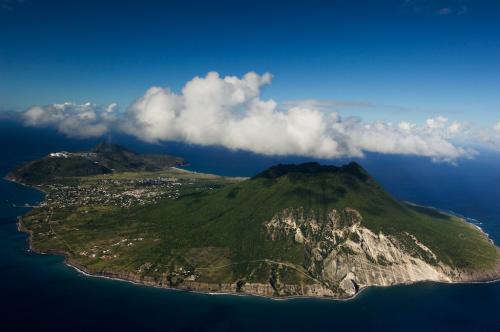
{"points": [[103, 159], [291, 230]]}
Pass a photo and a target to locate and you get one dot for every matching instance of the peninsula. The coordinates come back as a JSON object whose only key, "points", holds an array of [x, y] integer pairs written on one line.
{"points": [[291, 230]]}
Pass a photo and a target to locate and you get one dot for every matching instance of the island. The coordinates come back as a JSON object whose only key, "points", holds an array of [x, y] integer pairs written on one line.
{"points": [[291, 230]]}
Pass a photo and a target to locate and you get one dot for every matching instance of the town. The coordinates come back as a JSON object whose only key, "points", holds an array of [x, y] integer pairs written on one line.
{"points": [[123, 193]]}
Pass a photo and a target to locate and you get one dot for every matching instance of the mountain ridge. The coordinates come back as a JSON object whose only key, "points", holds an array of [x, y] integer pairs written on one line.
{"points": [[311, 168], [291, 230], [104, 158]]}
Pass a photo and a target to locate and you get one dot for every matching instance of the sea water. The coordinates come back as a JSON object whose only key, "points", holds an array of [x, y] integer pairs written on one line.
{"points": [[39, 292]]}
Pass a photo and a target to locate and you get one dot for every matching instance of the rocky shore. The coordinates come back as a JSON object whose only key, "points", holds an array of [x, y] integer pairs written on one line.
{"points": [[266, 290], [345, 257]]}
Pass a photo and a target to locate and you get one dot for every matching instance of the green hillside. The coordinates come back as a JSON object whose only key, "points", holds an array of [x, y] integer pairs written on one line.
{"points": [[232, 217], [214, 230], [105, 158]]}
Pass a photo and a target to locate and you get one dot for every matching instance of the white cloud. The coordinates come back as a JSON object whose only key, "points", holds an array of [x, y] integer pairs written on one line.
{"points": [[455, 128], [325, 104], [436, 123], [496, 127], [487, 137], [76, 120], [406, 138], [111, 107], [229, 112]]}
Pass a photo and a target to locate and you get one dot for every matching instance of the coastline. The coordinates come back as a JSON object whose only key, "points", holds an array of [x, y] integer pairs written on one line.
{"points": [[208, 289], [457, 215], [144, 283], [274, 298]]}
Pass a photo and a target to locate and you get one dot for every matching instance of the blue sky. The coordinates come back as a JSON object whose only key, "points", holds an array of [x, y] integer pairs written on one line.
{"points": [[333, 78], [397, 53]]}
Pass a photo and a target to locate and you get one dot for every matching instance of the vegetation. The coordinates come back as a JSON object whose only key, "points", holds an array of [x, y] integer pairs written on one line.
{"points": [[105, 158], [213, 230]]}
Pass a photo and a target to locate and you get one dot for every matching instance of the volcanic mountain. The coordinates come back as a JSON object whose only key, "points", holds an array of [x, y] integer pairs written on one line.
{"points": [[102, 159], [291, 230]]}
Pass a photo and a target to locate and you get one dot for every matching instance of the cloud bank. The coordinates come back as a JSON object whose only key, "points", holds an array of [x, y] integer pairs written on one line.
{"points": [[229, 111], [490, 136], [86, 120]]}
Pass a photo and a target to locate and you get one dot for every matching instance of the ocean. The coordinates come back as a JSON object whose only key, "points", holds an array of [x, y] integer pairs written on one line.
{"points": [[39, 292]]}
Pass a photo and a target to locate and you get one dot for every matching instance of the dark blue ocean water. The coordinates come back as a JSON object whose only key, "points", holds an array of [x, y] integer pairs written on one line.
{"points": [[39, 292]]}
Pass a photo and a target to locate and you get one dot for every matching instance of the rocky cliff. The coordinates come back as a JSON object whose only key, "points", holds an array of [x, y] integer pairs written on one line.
{"points": [[345, 256], [292, 230]]}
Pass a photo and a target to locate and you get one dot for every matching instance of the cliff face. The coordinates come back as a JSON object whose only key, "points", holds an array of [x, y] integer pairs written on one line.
{"points": [[345, 256], [341, 257], [292, 230], [260, 289]]}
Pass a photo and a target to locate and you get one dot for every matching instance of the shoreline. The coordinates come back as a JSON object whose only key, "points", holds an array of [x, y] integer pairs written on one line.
{"points": [[85, 273], [457, 215], [274, 298], [144, 283]]}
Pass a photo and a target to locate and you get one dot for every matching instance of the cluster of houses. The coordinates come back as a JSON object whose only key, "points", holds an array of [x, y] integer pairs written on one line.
{"points": [[117, 192]]}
